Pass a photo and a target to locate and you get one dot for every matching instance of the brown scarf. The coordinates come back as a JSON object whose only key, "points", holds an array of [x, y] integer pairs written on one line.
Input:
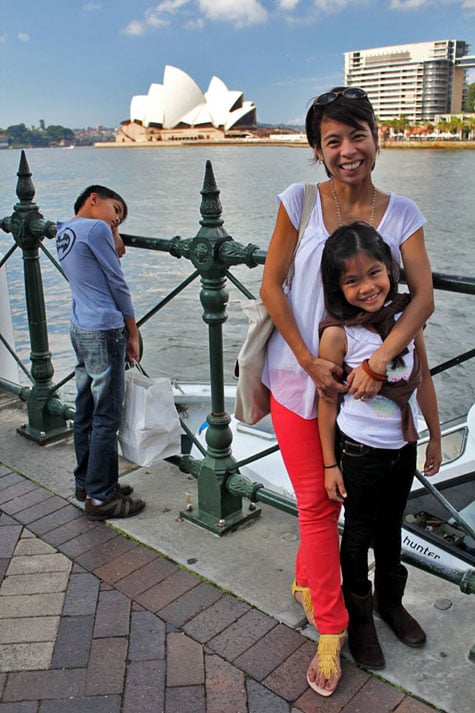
{"points": [[398, 391]]}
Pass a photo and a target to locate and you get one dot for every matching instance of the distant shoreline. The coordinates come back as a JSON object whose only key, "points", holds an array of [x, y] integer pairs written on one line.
{"points": [[427, 144], [272, 142]]}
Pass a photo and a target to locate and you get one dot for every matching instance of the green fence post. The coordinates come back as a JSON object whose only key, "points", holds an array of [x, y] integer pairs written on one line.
{"points": [[218, 509], [28, 228]]}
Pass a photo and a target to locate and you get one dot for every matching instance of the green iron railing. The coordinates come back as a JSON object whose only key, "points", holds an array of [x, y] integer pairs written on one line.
{"points": [[221, 486]]}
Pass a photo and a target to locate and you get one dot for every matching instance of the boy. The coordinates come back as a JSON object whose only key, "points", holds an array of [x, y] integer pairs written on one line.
{"points": [[103, 334]]}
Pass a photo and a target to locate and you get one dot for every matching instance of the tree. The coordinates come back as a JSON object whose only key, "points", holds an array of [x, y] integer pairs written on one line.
{"points": [[18, 135], [470, 98], [55, 134], [399, 124]]}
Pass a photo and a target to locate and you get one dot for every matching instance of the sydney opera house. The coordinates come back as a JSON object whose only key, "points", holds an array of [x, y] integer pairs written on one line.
{"points": [[178, 110]]}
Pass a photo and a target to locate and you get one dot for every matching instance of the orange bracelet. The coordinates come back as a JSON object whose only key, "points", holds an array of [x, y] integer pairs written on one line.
{"points": [[373, 374]]}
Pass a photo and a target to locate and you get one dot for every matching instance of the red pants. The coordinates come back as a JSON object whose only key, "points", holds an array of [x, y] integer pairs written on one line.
{"points": [[318, 558]]}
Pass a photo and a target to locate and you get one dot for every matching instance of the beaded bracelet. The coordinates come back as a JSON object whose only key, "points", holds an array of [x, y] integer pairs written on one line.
{"points": [[327, 467], [373, 374]]}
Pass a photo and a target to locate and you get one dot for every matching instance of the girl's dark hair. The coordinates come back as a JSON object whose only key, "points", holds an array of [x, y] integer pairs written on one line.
{"points": [[348, 111], [103, 192], [342, 245]]}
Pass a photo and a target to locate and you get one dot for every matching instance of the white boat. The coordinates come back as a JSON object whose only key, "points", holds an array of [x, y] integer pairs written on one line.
{"points": [[438, 531]]}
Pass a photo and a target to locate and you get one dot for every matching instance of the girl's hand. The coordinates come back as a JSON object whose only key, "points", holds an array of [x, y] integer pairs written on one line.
{"points": [[433, 457], [361, 385], [325, 375], [334, 484]]}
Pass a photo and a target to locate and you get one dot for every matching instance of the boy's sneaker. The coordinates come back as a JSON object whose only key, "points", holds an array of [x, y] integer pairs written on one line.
{"points": [[119, 506], [81, 495]]}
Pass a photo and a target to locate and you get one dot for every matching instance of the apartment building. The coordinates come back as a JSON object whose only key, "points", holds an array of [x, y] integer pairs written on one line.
{"points": [[417, 81]]}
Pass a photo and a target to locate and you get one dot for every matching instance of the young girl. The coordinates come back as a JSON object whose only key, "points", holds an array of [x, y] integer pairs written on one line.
{"points": [[369, 444]]}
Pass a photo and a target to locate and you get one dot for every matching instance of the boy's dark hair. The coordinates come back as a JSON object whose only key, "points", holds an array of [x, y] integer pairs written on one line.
{"points": [[343, 244], [103, 192], [348, 111]]}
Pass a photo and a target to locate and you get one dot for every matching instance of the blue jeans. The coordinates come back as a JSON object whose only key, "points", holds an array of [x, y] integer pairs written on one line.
{"points": [[100, 382], [378, 482]]}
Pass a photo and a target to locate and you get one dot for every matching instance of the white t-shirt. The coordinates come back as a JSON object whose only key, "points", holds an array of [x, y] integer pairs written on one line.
{"points": [[377, 421], [290, 384]]}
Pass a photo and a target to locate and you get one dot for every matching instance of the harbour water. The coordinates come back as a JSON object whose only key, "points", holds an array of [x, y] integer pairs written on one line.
{"points": [[162, 188]]}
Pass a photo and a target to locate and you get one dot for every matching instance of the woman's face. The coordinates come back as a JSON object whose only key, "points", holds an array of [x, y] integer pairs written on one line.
{"points": [[348, 153]]}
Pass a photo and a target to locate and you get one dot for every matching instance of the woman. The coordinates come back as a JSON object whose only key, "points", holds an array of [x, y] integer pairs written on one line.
{"points": [[341, 129]]}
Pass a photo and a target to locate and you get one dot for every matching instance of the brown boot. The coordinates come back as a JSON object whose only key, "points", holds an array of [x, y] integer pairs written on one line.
{"points": [[388, 592], [362, 636]]}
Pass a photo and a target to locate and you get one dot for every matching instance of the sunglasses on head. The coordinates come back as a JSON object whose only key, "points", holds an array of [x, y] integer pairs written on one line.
{"points": [[348, 93]]}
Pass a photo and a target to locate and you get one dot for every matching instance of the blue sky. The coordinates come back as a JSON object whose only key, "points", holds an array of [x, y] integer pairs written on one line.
{"points": [[78, 63]]}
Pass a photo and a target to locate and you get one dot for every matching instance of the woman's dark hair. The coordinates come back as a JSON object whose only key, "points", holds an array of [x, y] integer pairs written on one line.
{"points": [[104, 193], [343, 244], [348, 111]]}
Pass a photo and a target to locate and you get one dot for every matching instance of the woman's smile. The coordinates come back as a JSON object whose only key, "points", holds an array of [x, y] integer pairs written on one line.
{"points": [[351, 166]]}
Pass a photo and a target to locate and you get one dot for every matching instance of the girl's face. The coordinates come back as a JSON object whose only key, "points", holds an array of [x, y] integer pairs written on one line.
{"points": [[365, 282], [347, 152]]}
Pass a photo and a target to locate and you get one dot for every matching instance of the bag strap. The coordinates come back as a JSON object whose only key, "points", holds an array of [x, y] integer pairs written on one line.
{"points": [[308, 201]]}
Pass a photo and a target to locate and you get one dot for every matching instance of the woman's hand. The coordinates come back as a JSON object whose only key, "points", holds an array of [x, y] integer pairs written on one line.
{"points": [[361, 385], [433, 457], [325, 374], [334, 484]]}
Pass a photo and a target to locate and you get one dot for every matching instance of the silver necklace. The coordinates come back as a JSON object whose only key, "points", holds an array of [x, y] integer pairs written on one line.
{"points": [[338, 207]]}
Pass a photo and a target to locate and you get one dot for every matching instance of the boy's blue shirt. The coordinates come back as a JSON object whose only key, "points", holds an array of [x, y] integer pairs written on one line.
{"points": [[100, 295]]}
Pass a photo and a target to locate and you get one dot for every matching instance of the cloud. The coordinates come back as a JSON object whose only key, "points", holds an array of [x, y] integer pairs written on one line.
{"points": [[335, 5], [468, 5], [287, 4], [408, 4], [158, 16], [323, 6], [23, 37], [237, 12], [245, 13], [134, 28], [91, 7]]}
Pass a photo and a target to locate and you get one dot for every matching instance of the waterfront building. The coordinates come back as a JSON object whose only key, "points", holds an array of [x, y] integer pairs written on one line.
{"points": [[178, 110], [417, 81]]}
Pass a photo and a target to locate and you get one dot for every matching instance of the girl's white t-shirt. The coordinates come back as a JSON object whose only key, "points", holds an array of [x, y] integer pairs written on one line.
{"points": [[289, 383], [376, 422]]}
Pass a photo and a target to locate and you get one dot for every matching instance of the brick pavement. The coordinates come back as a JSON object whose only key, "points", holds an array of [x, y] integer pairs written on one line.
{"points": [[92, 622]]}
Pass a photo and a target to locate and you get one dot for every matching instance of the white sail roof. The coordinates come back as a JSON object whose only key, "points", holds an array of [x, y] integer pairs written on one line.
{"points": [[179, 100]]}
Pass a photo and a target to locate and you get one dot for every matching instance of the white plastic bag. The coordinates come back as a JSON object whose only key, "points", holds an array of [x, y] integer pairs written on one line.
{"points": [[150, 429]]}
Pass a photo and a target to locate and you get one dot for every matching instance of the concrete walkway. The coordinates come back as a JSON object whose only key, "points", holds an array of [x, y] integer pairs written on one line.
{"points": [[160, 615]]}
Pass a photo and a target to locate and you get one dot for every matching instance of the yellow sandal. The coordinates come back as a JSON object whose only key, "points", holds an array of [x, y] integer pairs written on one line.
{"points": [[306, 600], [328, 661]]}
